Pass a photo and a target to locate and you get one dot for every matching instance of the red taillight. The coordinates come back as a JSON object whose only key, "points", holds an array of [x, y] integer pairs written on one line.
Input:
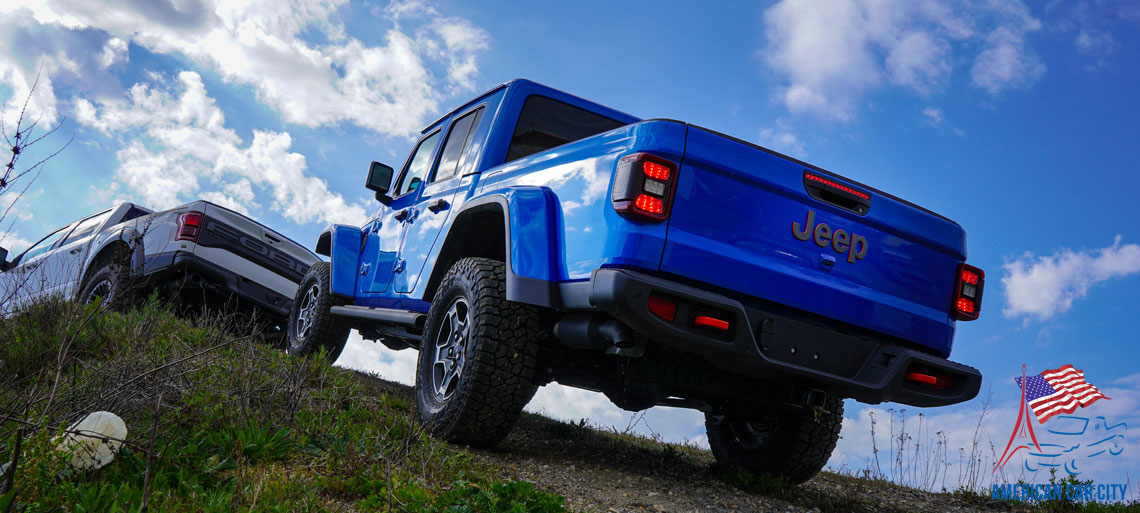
{"points": [[189, 226], [647, 203], [643, 187], [663, 308], [935, 382], [656, 171], [835, 185], [921, 378], [711, 322], [968, 292]]}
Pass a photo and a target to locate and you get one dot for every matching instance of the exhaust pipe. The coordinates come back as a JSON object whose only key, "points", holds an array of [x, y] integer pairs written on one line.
{"points": [[598, 332]]}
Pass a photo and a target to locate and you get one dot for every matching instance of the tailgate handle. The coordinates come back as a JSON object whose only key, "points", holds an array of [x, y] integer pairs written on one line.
{"points": [[270, 238], [830, 191]]}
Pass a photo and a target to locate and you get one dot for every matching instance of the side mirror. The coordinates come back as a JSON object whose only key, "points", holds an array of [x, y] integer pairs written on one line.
{"points": [[379, 180], [3, 259]]}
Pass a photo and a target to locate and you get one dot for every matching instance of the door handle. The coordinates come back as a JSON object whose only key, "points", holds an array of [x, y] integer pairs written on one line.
{"points": [[403, 214], [438, 205], [75, 251]]}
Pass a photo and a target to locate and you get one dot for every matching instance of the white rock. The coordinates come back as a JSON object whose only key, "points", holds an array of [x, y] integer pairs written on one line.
{"points": [[94, 440]]}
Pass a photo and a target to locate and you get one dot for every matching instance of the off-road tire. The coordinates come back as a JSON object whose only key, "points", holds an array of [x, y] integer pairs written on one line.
{"points": [[319, 328], [498, 363], [110, 281], [796, 445]]}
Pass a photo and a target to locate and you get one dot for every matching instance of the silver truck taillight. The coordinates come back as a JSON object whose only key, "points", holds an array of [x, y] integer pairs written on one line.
{"points": [[643, 187], [189, 226]]}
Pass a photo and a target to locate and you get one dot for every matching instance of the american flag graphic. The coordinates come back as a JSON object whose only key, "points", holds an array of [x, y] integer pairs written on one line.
{"points": [[1058, 391]]}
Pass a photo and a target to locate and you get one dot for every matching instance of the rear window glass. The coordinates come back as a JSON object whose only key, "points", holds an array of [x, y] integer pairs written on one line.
{"points": [[135, 213], [545, 123]]}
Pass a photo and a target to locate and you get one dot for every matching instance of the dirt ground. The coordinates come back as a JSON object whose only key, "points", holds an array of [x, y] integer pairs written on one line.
{"points": [[606, 472]]}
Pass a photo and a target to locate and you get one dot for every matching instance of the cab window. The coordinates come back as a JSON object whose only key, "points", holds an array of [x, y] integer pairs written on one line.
{"points": [[457, 141], [86, 227], [418, 166]]}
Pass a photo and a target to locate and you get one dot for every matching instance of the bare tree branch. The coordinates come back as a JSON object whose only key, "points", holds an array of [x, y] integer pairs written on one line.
{"points": [[23, 138]]}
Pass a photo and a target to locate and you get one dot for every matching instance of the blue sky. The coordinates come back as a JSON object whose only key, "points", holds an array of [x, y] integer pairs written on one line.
{"points": [[1016, 119]]}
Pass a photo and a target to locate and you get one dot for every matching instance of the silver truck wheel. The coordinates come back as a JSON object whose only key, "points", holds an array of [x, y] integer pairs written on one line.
{"points": [[311, 326], [306, 311], [100, 289]]}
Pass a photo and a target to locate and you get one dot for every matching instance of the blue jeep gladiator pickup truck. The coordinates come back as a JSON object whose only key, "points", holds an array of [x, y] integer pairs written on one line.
{"points": [[533, 236]]}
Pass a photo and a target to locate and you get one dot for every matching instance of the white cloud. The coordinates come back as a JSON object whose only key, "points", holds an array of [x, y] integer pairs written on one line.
{"points": [[1042, 287], [933, 115], [919, 61], [1094, 42], [42, 103], [783, 142], [1006, 63], [1092, 24], [187, 144], [674, 425], [75, 60], [387, 87], [225, 200], [823, 48], [449, 39], [374, 357], [462, 43], [114, 52], [834, 52], [8, 199], [1129, 381], [14, 243], [566, 403]]}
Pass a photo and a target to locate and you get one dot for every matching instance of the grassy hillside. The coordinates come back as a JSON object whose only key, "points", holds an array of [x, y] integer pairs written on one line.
{"points": [[218, 422]]}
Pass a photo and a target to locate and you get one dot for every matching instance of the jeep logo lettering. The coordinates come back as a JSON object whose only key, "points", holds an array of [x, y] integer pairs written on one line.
{"points": [[855, 246]]}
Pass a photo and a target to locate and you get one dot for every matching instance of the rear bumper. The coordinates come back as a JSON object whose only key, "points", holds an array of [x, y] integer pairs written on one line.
{"points": [[762, 344], [177, 266]]}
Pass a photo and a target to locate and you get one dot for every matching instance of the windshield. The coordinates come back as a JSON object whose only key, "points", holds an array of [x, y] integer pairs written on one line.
{"points": [[44, 244]]}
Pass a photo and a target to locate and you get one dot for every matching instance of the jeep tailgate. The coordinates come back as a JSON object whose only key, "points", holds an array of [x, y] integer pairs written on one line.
{"points": [[732, 227]]}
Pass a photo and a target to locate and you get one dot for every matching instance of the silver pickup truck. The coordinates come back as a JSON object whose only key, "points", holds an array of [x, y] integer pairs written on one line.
{"points": [[198, 251]]}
